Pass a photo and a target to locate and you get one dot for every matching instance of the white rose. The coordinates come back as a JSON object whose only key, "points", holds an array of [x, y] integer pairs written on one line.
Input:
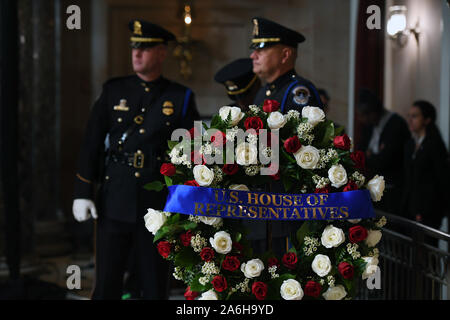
{"points": [[321, 265], [337, 176], [276, 120], [154, 220], [252, 268], [335, 293], [307, 157], [239, 187], [371, 267], [314, 115], [291, 290], [246, 154], [332, 237], [203, 175], [209, 295], [210, 220], [376, 187], [373, 237], [221, 242], [236, 114], [354, 221]]}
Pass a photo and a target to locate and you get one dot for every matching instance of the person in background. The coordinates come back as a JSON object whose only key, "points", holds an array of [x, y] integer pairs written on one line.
{"points": [[384, 134], [241, 84], [426, 172]]}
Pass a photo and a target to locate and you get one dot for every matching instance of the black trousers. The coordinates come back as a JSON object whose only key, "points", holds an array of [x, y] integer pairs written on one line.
{"points": [[115, 241]]}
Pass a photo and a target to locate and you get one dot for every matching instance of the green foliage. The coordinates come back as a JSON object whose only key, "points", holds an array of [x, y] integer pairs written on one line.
{"points": [[154, 186]]}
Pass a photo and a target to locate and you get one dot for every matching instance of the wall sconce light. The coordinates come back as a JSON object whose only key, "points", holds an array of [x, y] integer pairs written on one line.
{"points": [[397, 27], [183, 51]]}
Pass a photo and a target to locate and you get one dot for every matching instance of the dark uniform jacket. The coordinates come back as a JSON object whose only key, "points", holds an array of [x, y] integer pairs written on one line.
{"points": [[291, 91], [389, 161], [151, 112], [426, 177]]}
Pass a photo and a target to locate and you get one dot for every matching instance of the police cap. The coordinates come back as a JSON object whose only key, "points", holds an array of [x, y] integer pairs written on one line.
{"points": [[146, 34], [237, 77], [268, 33]]}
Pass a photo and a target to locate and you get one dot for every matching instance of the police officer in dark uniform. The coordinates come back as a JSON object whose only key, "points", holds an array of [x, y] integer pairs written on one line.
{"points": [[135, 115], [274, 54], [240, 82]]}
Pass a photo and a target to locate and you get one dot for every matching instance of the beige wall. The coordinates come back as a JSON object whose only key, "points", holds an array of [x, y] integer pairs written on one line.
{"points": [[221, 30], [414, 71]]}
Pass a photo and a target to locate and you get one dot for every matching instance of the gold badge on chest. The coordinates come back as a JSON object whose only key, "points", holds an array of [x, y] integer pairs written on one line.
{"points": [[168, 108], [122, 106]]}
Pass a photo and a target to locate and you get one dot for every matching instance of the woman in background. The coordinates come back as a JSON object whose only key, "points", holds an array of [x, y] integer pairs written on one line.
{"points": [[426, 175]]}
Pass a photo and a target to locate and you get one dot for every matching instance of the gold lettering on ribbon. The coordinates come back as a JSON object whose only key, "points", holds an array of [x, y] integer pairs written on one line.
{"points": [[216, 192], [254, 197], [308, 200], [252, 212], [261, 199], [234, 197], [198, 208]]}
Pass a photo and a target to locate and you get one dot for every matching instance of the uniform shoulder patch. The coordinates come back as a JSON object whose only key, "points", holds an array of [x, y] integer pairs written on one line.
{"points": [[300, 95]]}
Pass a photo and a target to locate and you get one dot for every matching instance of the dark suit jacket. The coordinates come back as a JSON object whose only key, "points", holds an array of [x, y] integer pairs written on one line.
{"points": [[426, 188]]}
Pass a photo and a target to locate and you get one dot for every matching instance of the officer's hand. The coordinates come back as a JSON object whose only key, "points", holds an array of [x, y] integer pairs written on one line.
{"points": [[83, 209]]}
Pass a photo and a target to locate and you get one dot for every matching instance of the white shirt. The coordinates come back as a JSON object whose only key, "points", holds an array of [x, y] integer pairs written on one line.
{"points": [[374, 144]]}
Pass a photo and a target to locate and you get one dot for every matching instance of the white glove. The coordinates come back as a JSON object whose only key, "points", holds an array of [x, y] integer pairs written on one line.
{"points": [[83, 209]]}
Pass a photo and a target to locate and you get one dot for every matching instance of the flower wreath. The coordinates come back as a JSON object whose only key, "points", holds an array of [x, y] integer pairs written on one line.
{"points": [[327, 259]]}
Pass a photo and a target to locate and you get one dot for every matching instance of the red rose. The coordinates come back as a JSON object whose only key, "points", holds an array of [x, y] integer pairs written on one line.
{"points": [[342, 142], [259, 289], [164, 248], [230, 169], [292, 144], [357, 234], [289, 260], [218, 139], [322, 190], [192, 183], [197, 158], [271, 105], [254, 123], [273, 262], [186, 238], [193, 132], [276, 176], [167, 169], [231, 263], [346, 270], [359, 159], [190, 295], [238, 247], [219, 283], [312, 289], [351, 186], [207, 254]]}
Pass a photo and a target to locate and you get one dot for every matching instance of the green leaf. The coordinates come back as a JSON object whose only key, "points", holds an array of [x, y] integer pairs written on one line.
{"points": [[339, 131], [172, 144], [237, 237], [188, 225], [287, 182], [325, 133], [161, 233], [186, 258], [287, 156], [301, 233], [154, 186], [205, 126], [168, 181]]}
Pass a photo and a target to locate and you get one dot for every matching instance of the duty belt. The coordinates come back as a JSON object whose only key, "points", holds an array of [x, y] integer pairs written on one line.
{"points": [[135, 160]]}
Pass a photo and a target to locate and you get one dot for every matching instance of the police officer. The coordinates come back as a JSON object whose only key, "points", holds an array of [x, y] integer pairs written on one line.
{"points": [[135, 115], [274, 55], [241, 83]]}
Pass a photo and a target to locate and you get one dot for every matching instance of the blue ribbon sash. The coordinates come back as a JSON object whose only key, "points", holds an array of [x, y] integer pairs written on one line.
{"points": [[234, 204]]}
